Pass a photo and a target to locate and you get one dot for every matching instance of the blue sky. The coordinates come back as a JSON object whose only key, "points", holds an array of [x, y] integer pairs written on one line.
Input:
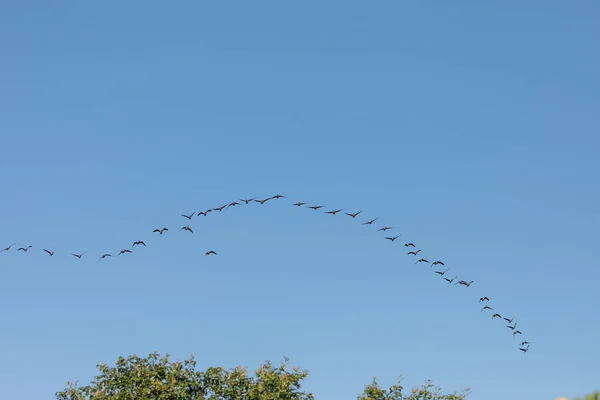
{"points": [[470, 127]]}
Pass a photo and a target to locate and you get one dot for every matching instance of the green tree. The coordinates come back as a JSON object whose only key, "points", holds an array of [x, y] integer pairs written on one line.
{"points": [[593, 396], [158, 378]]}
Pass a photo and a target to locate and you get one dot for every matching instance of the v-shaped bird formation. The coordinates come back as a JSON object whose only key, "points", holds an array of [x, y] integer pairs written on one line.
{"points": [[441, 272]]}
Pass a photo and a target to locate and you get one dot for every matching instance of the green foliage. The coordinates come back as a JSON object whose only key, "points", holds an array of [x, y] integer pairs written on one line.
{"points": [[593, 396], [157, 378]]}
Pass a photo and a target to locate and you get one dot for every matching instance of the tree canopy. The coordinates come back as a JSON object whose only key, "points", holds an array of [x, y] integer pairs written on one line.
{"points": [[158, 378]]}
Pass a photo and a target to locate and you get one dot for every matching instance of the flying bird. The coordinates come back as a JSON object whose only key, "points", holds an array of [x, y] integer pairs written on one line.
{"points": [[385, 228], [437, 263], [186, 228], [248, 200], [513, 327], [78, 255], [517, 333], [263, 201], [524, 350], [50, 253], [484, 299], [391, 239], [420, 260], [509, 320], [189, 217], [496, 315], [370, 222], [524, 343], [409, 245], [353, 215], [299, 204], [467, 284], [442, 272], [160, 231], [124, 251], [278, 196], [104, 256], [136, 243], [316, 207], [486, 308], [203, 213], [414, 253], [23, 248], [220, 208], [333, 212], [210, 252], [233, 203], [7, 248], [450, 280]]}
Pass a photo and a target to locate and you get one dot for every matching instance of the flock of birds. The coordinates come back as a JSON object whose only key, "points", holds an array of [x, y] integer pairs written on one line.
{"points": [[440, 267]]}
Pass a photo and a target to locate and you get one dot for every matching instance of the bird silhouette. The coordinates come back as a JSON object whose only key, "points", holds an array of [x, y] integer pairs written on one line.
{"points": [[409, 245], [137, 243], [222, 207], [442, 272], [517, 333], [7, 248], [24, 248], [50, 253], [263, 201], [391, 239], [124, 251], [187, 228], [496, 316], [385, 228], [450, 280], [316, 207], [233, 204], [203, 213], [421, 260], [210, 252], [414, 253], [78, 255], [353, 215], [299, 204], [278, 196], [524, 350], [103, 256], [160, 231], [437, 263], [524, 343], [465, 283], [484, 299], [486, 308], [333, 212], [509, 320], [189, 217], [248, 200], [370, 222], [512, 327]]}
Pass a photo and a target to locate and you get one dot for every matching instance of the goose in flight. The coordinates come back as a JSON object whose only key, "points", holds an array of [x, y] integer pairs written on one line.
{"points": [[437, 263], [220, 208], [409, 245], [299, 204], [232, 204], [414, 253], [524, 350], [124, 251], [484, 299], [7, 248], [496, 316], [391, 239], [524, 343], [24, 248], [517, 333], [316, 207], [189, 217], [420, 260], [385, 228], [210, 252], [50, 253], [467, 284], [442, 272], [203, 213], [278, 196], [450, 280], [103, 256], [160, 231], [137, 243], [263, 201], [333, 212], [370, 222], [78, 255], [187, 228], [248, 200], [486, 308], [353, 215]]}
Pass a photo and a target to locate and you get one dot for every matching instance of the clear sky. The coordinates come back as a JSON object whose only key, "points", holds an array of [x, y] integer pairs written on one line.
{"points": [[470, 127]]}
